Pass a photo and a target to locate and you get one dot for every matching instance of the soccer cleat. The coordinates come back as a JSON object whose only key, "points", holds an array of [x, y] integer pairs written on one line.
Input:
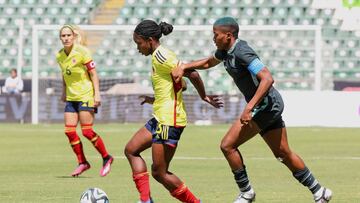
{"points": [[325, 196], [80, 169], [106, 166], [149, 201], [246, 197]]}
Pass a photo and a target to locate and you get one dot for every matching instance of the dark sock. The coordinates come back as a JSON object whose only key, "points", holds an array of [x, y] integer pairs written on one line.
{"points": [[306, 178], [242, 179]]}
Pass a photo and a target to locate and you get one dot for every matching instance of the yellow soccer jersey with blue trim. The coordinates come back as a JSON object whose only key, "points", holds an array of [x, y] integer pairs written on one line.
{"points": [[169, 108], [74, 68]]}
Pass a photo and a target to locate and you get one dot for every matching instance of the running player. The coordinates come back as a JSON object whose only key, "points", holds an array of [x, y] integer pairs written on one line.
{"points": [[262, 113], [162, 132], [81, 96]]}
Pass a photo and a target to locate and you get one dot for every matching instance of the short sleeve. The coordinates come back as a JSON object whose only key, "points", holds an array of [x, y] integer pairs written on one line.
{"points": [[220, 54], [245, 54], [86, 56], [87, 59], [172, 61], [167, 59], [255, 66]]}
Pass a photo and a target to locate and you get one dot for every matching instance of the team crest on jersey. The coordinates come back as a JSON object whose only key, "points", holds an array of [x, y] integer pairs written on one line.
{"points": [[74, 61]]}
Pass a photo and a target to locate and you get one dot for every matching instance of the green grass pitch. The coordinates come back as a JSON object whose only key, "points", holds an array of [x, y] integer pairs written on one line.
{"points": [[35, 163]]}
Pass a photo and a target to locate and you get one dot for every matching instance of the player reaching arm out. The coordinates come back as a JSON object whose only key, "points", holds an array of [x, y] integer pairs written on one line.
{"points": [[205, 63], [261, 72], [262, 114], [195, 79]]}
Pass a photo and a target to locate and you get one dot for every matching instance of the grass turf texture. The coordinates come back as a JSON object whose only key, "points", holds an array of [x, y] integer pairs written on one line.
{"points": [[35, 163]]}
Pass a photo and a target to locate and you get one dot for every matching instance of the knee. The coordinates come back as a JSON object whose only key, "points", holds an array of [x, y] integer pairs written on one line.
{"points": [[128, 151], [88, 132], [283, 155], [227, 148], [157, 173], [70, 132]]}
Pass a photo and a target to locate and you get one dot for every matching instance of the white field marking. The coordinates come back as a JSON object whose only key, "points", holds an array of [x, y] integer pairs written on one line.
{"points": [[61, 129], [79, 129], [247, 158]]}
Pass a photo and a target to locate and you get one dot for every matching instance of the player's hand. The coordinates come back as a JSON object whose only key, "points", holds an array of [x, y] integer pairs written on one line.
{"points": [[178, 72], [97, 101], [214, 100], [146, 99], [246, 116]]}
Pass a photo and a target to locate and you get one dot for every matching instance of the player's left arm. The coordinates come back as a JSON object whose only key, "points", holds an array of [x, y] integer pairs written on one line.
{"points": [[256, 67], [266, 81], [90, 66], [95, 81], [196, 80]]}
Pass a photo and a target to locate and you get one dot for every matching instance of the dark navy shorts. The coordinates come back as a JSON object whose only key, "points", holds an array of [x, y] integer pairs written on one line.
{"points": [[267, 115], [164, 134], [76, 106]]}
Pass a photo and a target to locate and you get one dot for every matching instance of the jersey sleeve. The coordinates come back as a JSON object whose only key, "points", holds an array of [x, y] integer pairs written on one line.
{"points": [[246, 54], [220, 55], [255, 66], [87, 59], [86, 55], [168, 60], [249, 58]]}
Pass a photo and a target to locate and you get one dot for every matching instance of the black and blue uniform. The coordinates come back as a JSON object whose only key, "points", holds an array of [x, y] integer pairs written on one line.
{"points": [[242, 64]]}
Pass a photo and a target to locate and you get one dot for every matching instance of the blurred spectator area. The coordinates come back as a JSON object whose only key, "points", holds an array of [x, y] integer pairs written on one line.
{"points": [[291, 61]]}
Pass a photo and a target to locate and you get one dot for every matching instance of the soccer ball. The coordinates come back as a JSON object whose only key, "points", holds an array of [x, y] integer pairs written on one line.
{"points": [[94, 195]]}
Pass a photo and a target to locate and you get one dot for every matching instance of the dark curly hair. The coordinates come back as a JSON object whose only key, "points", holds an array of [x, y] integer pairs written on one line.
{"points": [[149, 28]]}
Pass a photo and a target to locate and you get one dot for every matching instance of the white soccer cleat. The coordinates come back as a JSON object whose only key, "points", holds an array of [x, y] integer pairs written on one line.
{"points": [[246, 197], [325, 196]]}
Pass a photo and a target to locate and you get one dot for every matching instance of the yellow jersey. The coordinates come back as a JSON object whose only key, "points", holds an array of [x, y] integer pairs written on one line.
{"points": [[74, 68], [169, 108]]}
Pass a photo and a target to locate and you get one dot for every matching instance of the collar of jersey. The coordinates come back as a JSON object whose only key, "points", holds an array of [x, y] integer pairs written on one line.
{"points": [[233, 46], [157, 49], [72, 51]]}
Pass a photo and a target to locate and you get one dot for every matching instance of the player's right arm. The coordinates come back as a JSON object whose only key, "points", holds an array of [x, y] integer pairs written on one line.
{"points": [[205, 63]]}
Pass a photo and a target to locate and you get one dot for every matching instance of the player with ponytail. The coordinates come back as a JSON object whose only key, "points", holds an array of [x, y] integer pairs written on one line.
{"points": [[162, 132], [81, 95]]}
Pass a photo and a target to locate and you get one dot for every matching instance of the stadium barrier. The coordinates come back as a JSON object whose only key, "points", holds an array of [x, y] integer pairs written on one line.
{"points": [[302, 108]]}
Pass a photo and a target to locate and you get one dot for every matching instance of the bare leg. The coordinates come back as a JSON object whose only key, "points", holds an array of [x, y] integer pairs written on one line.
{"points": [[277, 141], [141, 141], [162, 155], [86, 117], [236, 136]]}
